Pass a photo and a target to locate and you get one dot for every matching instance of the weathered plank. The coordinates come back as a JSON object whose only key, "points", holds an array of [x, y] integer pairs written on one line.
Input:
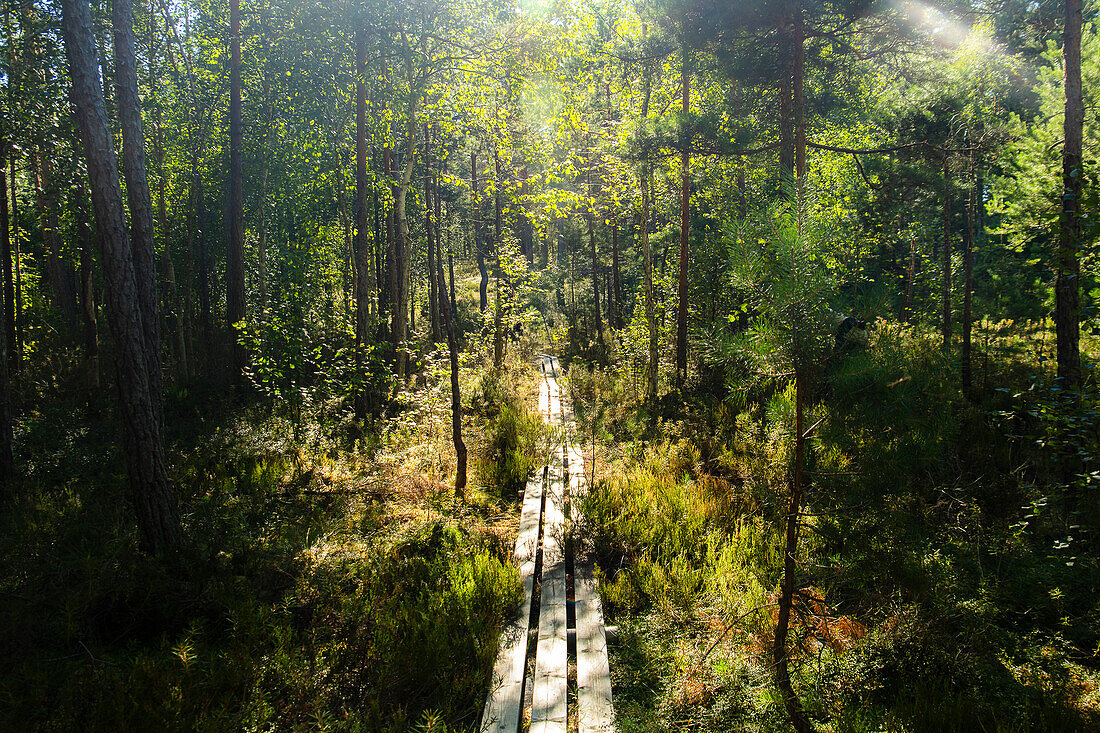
{"points": [[504, 705], [548, 710], [594, 710]]}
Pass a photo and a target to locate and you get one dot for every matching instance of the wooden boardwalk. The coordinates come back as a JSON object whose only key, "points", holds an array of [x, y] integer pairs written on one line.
{"points": [[541, 545]]}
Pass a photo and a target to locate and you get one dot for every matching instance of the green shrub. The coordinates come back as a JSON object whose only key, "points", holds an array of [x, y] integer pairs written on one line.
{"points": [[515, 436]]}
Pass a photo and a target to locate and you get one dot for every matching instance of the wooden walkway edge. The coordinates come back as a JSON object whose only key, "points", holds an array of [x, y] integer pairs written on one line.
{"points": [[543, 527]]}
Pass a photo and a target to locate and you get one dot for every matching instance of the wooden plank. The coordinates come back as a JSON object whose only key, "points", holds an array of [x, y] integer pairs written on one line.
{"points": [[504, 705], [595, 713], [548, 710]]}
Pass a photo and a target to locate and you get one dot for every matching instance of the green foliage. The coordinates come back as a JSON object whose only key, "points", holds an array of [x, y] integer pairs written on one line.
{"points": [[515, 436], [301, 603]]}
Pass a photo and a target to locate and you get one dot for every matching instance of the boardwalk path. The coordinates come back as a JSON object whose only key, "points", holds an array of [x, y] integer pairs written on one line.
{"points": [[542, 553]]}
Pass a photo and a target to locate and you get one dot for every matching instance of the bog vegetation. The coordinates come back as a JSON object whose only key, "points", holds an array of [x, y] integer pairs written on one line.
{"points": [[823, 274]]}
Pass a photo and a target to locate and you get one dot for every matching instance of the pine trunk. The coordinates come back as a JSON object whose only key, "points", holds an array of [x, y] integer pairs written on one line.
{"points": [[234, 252], [6, 252], [786, 590], [968, 280], [1067, 311], [87, 301], [483, 287], [362, 221], [685, 160], [153, 498], [17, 312], [137, 190], [647, 257], [617, 300], [595, 262], [433, 294], [7, 463], [945, 255], [456, 395]]}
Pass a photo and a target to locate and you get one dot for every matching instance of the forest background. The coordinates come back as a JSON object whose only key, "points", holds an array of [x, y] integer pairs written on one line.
{"points": [[823, 272]]}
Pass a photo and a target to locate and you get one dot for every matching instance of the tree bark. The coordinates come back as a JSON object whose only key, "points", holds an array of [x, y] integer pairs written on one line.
{"points": [[234, 252], [595, 262], [137, 191], [401, 242], [456, 396], [945, 255], [685, 159], [1067, 311], [647, 257], [17, 311], [483, 287], [968, 276], [786, 589], [798, 101], [433, 294], [154, 500], [173, 315], [87, 302], [910, 279], [59, 271], [362, 221], [391, 252], [498, 227], [6, 252], [7, 463], [615, 294]]}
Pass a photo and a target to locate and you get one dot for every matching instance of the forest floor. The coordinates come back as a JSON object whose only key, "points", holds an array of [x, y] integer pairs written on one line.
{"points": [[335, 580], [942, 584]]}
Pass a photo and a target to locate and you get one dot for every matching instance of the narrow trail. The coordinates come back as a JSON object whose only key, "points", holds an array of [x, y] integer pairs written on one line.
{"points": [[541, 634]]}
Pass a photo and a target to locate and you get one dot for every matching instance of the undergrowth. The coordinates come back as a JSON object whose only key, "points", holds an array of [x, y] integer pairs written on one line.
{"points": [[332, 581], [945, 583]]}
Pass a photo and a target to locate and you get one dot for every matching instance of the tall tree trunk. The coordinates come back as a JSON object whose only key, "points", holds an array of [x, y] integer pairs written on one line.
{"points": [[137, 191], [401, 243], [205, 307], [617, 312], [742, 199], [786, 98], [1067, 309], [528, 237], [451, 268], [87, 301], [910, 279], [391, 256], [154, 500], [968, 276], [790, 553], [7, 463], [647, 256], [498, 227], [265, 168], [595, 262], [349, 269], [685, 159], [362, 221], [17, 314], [456, 396], [234, 251], [433, 305], [798, 100], [60, 271], [945, 255], [483, 287], [6, 255], [173, 313]]}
